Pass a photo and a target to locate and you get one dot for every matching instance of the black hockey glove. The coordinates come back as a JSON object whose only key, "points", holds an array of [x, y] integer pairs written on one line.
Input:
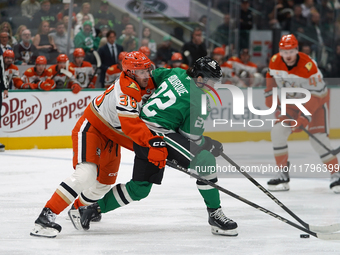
{"points": [[215, 147]]}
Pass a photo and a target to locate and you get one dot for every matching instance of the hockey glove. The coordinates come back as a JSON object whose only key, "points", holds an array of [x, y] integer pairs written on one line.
{"points": [[157, 151], [302, 122], [29, 86], [91, 86], [76, 88], [215, 147], [47, 85]]}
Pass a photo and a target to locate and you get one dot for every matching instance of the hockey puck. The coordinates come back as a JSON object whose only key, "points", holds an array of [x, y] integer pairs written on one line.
{"points": [[304, 236]]}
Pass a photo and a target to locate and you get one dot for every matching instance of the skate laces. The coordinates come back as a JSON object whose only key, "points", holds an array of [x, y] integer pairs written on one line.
{"points": [[219, 215]]}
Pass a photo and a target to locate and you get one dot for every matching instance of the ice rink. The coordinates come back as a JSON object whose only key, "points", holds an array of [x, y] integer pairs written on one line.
{"points": [[173, 219]]}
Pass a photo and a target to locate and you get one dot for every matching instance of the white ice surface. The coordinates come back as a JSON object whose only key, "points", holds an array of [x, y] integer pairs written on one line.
{"points": [[173, 219]]}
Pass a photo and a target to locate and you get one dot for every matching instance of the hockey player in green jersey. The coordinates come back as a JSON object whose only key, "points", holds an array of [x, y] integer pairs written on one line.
{"points": [[174, 113]]}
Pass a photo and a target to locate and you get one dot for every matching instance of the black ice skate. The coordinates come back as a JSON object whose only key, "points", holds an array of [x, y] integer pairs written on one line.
{"points": [[335, 183], [81, 218], [220, 224], [70, 213], [2, 147], [281, 183], [45, 225]]}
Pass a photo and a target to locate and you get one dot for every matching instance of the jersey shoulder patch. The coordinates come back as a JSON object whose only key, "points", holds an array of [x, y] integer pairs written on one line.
{"points": [[274, 58], [133, 86], [130, 87]]}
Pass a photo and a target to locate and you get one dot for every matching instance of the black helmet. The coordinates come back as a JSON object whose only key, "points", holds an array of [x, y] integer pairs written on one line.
{"points": [[207, 68]]}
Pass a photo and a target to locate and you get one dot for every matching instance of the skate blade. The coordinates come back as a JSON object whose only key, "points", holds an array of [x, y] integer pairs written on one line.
{"points": [[40, 231], [218, 231], [75, 219], [336, 189], [2, 149], [279, 187]]}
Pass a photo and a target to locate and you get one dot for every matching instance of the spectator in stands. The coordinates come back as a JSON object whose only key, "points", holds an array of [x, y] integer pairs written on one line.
{"points": [[221, 34], [60, 39], [38, 77], [79, 28], [307, 8], [65, 21], [246, 24], [243, 67], [178, 33], [102, 21], [4, 38], [194, 49], [64, 12], [298, 22], [114, 71], [165, 51], [17, 35], [120, 26], [109, 54], [314, 31], [176, 61], [127, 38], [6, 27], [11, 71], [29, 8], [45, 43], [104, 10], [102, 35], [85, 40], [25, 52], [152, 45], [45, 14], [85, 10], [284, 12], [305, 48]]}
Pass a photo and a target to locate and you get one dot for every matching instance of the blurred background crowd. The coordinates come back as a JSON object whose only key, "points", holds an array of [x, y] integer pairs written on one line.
{"points": [[230, 31]]}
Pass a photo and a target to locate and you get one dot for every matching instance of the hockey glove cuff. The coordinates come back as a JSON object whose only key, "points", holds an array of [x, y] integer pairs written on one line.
{"points": [[215, 147], [75, 88], [157, 151]]}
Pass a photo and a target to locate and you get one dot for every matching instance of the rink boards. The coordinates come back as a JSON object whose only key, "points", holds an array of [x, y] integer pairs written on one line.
{"points": [[45, 120]]}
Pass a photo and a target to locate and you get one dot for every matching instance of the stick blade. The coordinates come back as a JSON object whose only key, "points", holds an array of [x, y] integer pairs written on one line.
{"points": [[330, 236], [66, 72], [325, 229], [99, 62]]}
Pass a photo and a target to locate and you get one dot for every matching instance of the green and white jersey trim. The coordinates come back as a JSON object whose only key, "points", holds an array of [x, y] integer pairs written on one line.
{"points": [[153, 126]]}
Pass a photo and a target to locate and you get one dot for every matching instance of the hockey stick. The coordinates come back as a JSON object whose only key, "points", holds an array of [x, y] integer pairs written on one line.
{"points": [[329, 236], [333, 152], [99, 64], [321, 229]]}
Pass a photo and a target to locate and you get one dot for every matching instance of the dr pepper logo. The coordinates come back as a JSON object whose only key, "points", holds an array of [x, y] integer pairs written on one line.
{"points": [[19, 114]]}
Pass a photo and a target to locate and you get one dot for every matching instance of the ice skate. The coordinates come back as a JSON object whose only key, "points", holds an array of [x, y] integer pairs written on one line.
{"points": [[81, 218], [281, 182], [75, 213], [335, 183], [2, 147], [220, 224], [45, 225]]}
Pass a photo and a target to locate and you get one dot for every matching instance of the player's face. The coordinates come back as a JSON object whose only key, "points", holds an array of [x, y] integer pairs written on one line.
{"points": [[217, 57], [289, 56], [40, 68], [61, 65], [142, 77], [78, 61], [8, 61]]}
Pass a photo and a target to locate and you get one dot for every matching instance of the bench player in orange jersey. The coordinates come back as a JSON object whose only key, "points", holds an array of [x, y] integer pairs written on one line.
{"points": [[11, 70], [176, 61], [291, 68], [227, 69], [114, 71], [111, 120], [38, 77], [84, 72], [60, 79]]}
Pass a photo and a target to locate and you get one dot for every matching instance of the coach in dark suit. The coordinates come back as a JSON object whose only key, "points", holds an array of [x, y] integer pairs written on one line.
{"points": [[109, 54]]}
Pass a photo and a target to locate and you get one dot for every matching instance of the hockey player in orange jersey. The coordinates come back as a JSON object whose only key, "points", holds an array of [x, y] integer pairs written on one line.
{"points": [[60, 79], [111, 120], [291, 68], [38, 77], [11, 70], [114, 71], [84, 72], [176, 61], [228, 73]]}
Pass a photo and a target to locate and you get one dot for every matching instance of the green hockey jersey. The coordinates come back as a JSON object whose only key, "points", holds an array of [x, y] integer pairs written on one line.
{"points": [[176, 105]]}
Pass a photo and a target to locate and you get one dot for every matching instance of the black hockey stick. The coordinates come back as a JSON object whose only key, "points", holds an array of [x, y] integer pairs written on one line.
{"points": [[329, 236], [333, 152], [320, 229]]}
